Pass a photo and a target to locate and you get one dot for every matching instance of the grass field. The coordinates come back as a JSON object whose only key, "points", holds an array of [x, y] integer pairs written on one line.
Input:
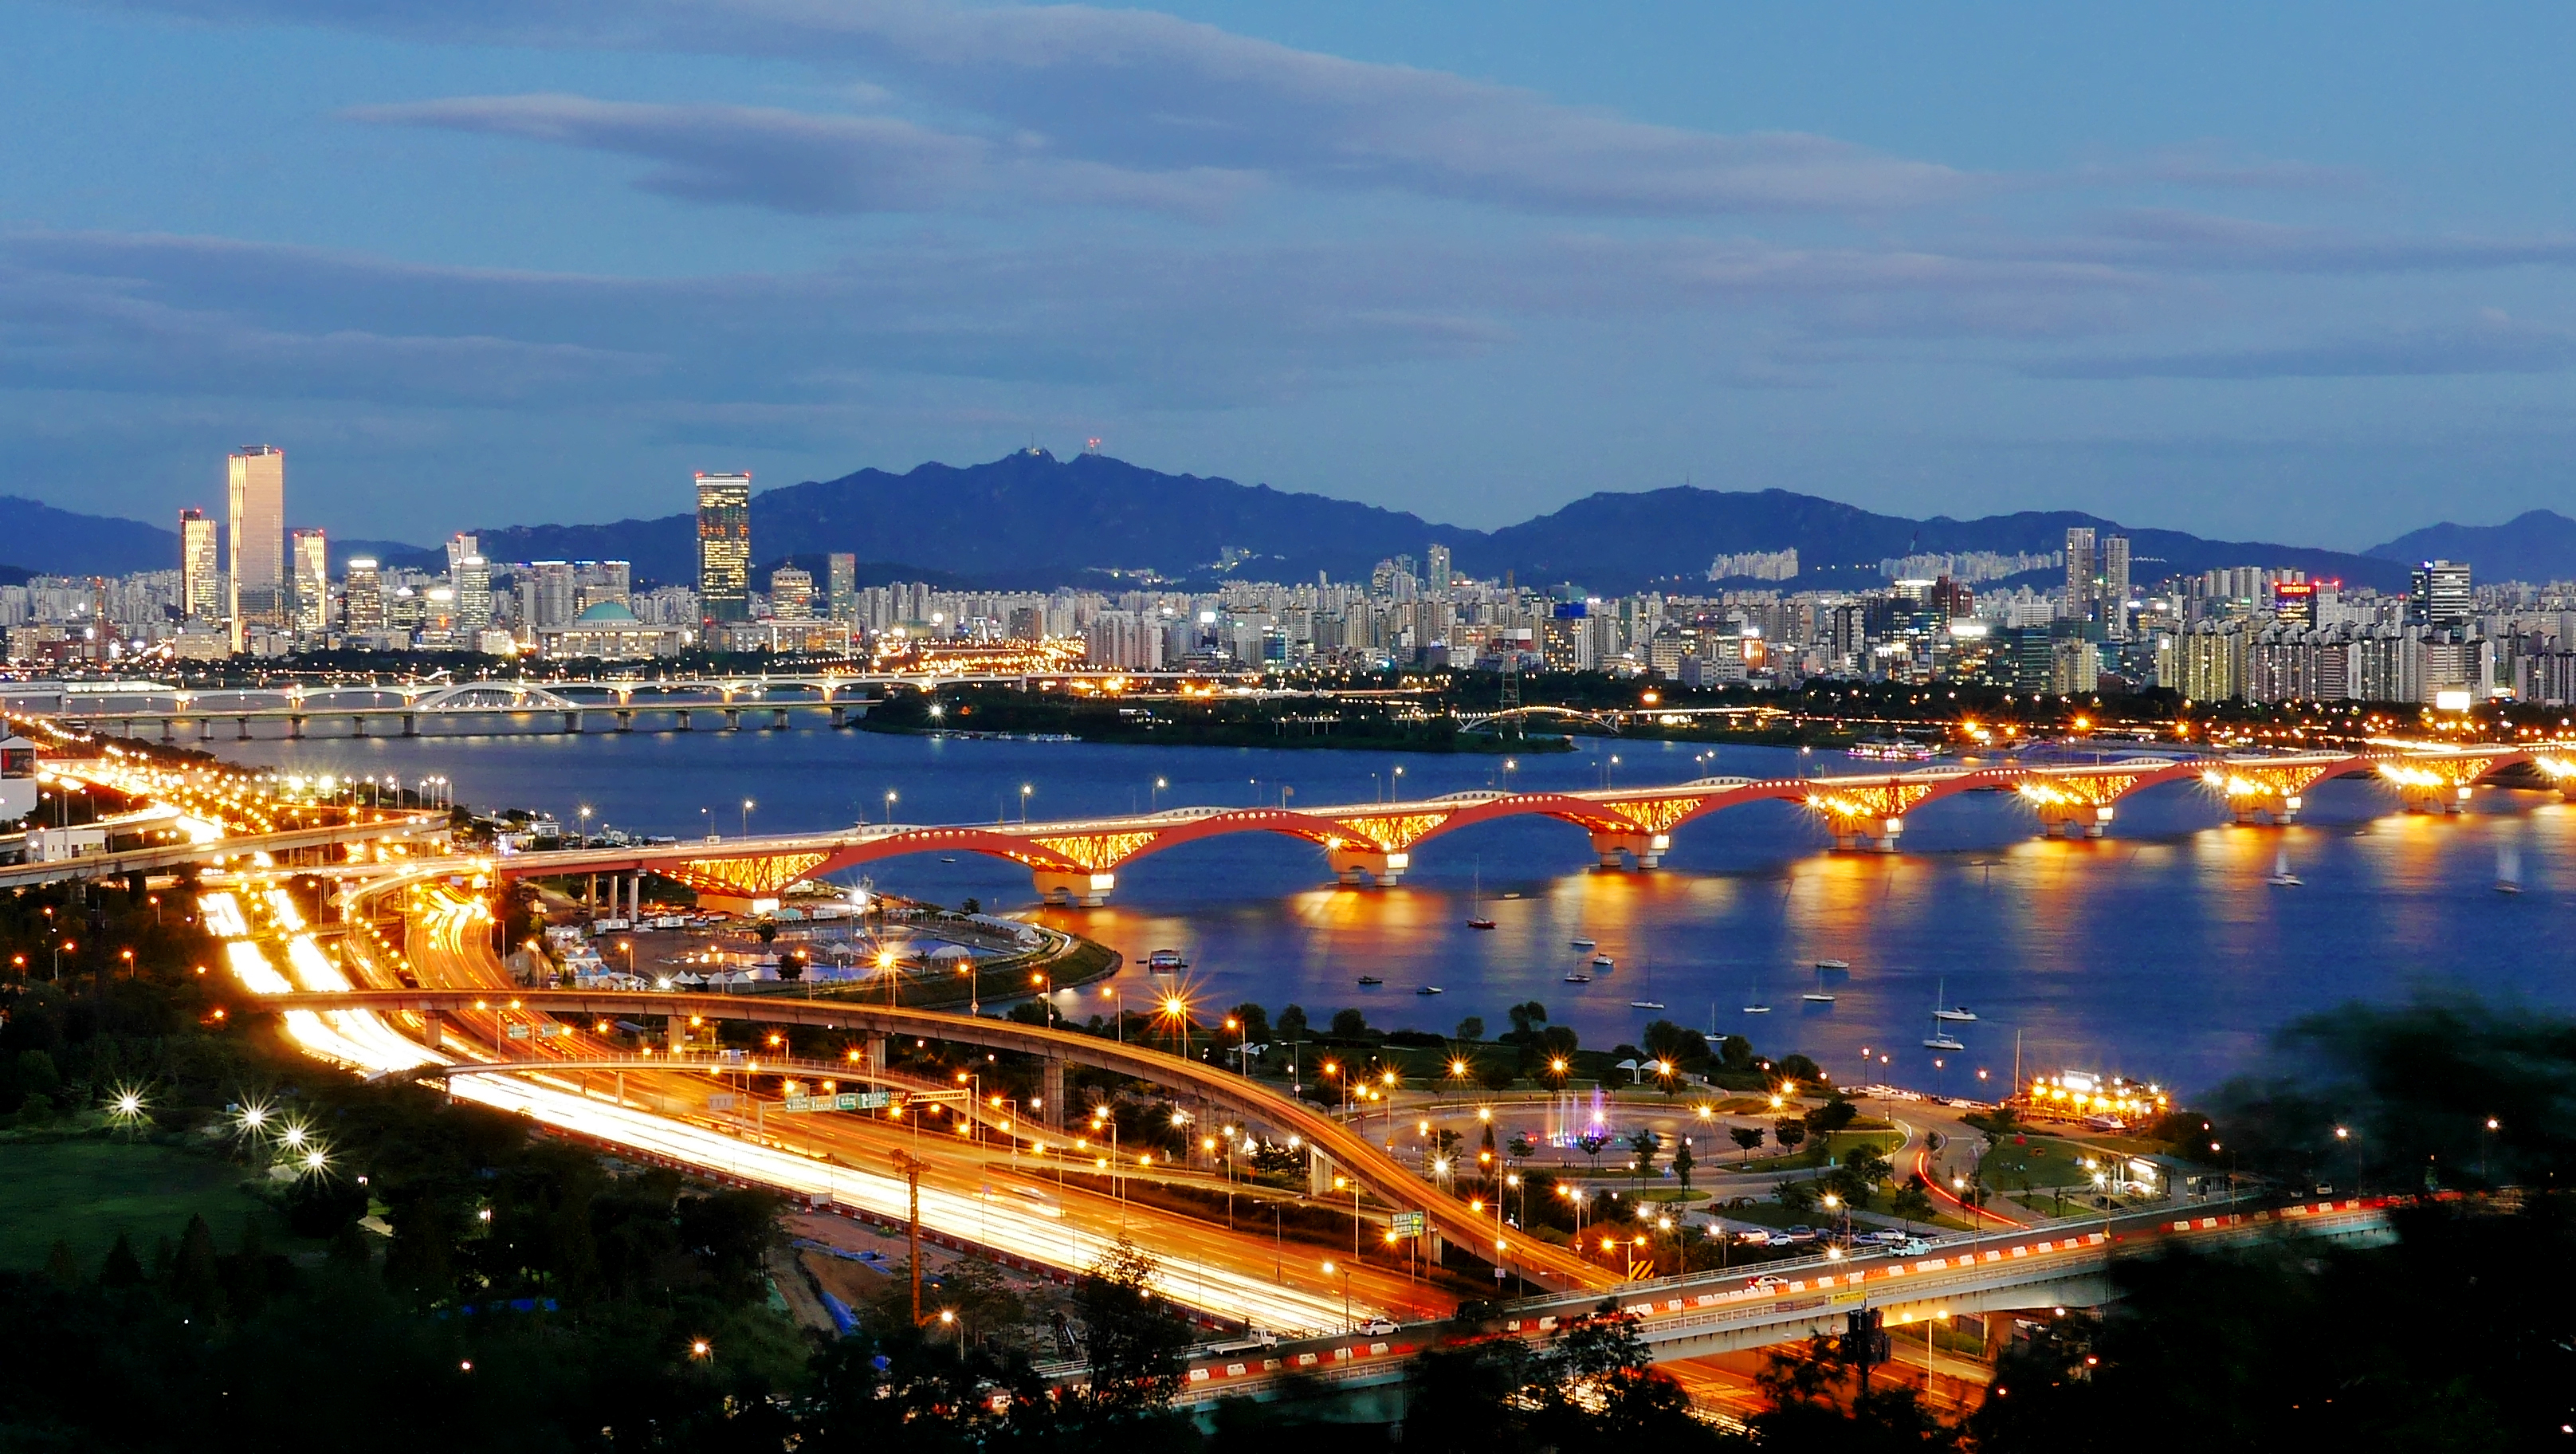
{"points": [[86, 1191]]}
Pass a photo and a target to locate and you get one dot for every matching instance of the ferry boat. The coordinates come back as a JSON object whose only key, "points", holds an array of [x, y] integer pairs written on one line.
{"points": [[1893, 749], [1165, 961]]}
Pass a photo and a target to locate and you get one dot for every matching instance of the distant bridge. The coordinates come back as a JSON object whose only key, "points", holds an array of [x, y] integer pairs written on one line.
{"points": [[1076, 862]]}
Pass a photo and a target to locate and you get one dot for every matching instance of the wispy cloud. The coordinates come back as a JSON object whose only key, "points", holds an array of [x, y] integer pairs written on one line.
{"points": [[2490, 344]]}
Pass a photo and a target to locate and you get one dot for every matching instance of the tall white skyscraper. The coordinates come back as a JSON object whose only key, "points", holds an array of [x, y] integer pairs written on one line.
{"points": [[256, 484], [2082, 572]]}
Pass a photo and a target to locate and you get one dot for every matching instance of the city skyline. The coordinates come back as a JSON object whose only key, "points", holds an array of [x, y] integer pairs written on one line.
{"points": [[2187, 270]]}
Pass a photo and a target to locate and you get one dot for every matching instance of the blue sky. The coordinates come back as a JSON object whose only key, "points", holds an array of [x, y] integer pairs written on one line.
{"points": [[2297, 273]]}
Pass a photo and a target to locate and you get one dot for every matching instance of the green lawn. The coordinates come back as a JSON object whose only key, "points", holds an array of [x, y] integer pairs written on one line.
{"points": [[1805, 1157], [86, 1191]]}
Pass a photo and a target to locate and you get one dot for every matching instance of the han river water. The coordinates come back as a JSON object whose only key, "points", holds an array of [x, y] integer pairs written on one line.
{"points": [[2159, 952]]}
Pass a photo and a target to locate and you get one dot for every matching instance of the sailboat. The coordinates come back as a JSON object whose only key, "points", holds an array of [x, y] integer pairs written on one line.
{"points": [[1649, 1002], [1475, 899], [1955, 1013], [2281, 877], [1821, 995], [1753, 1001], [2508, 870], [1941, 1039]]}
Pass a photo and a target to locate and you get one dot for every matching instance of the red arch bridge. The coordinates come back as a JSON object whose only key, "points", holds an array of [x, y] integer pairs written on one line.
{"points": [[1077, 862]]}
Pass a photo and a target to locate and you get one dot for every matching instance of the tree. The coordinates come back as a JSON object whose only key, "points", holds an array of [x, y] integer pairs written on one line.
{"points": [[1836, 1114], [1735, 1053], [1678, 1044], [1349, 1024], [1292, 1023], [1526, 1017], [1645, 1144], [1798, 1196], [1522, 1147], [1592, 1143], [1251, 1022], [1683, 1161], [1471, 1029], [1789, 1134], [1132, 1338], [1747, 1137], [1798, 1068], [1911, 1204]]}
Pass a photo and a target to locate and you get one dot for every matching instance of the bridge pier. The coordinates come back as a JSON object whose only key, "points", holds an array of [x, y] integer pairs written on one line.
{"points": [[411, 724], [840, 716], [1071, 888], [433, 1029], [2442, 798], [778, 719], [1357, 867], [357, 724], [682, 725], [572, 722], [2282, 812], [1051, 1091], [2074, 820], [244, 724], [205, 729], [166, 725], [1874, 835], [295, 727], [733, 719], [625, 720], [1617, 851]]}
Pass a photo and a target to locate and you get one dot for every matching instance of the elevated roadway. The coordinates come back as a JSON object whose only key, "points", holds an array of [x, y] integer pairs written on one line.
{"points": [[1221, 1091], [277, 847]]}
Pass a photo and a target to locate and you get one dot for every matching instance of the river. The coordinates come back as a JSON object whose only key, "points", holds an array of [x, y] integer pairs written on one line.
{"points": [[2158, 952]]}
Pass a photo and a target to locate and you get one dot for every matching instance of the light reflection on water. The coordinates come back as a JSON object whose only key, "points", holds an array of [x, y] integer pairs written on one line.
{"points": [[2158, 951]]}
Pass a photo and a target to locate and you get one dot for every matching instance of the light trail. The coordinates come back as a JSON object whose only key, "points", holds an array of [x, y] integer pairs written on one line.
{"points": [[363, 1041]]}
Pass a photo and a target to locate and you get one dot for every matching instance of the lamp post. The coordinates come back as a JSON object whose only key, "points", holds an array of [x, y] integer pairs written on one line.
{"points": [[2344, 1133], [891, 795], [1025, 790], [747, 806], [1329, 1270], [1155, 799]]}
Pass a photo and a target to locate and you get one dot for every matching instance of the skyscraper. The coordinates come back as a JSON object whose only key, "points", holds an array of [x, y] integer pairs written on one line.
{"points": [[724, 547], [2082, 572], [256, 484], [2441, 594], [472, 578], [311, 565], [842, 597], [362, 598], [1440, 572], [791, 594], [201, 566], [459, 546], [2114, 595]]}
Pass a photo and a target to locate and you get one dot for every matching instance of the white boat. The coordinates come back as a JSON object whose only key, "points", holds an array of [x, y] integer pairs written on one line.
{"points": [[1430, 989], [1833, 966], [2281, 877], [1604, 963], [1938, 1041], [1578, 977], [1821, 995], [1956, 1014], [1753, 1001], [1649, 1002], [1941, 1039], [1583, 943], [1645, 1004]]}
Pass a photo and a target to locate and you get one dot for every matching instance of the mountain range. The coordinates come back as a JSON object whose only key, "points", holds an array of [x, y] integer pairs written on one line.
{"points": [[1032, 520]]}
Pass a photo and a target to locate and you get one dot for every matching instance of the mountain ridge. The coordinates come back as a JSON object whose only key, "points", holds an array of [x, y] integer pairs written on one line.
{"points": [[1032, 520]]}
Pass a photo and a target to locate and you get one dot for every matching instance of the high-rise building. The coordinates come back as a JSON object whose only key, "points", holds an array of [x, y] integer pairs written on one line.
{"points": [[1440, 572], [549, 594], [362, 598], [843, 572], [2440, 596], [724, 547], [310, 555], [256, 485], [791, 594], [471, 575], [201, 566], [2082, 573], [2114, 593], [459, 546]]}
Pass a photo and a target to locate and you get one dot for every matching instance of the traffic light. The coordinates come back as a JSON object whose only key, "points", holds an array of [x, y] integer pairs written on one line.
{"points": [[1864, 1341]]}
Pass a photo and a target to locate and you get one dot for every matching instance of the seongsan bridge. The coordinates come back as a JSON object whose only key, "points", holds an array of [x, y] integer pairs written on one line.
{"points": [[1077, 862]]}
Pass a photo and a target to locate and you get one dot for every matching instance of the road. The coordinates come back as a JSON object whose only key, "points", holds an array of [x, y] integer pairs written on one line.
{"points": [[970, 1191]]}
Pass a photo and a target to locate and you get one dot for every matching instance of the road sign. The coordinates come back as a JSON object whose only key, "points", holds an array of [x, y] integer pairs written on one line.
{"points": [[1406, 1224], [721, 1101], [517, 1032], [875, 1100]]}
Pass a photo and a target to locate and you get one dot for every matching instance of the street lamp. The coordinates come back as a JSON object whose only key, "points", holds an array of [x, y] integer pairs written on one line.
{"points": [[890, 797], [1155, 799], [1329, 1270], [747, 806], [1025, 790]]}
